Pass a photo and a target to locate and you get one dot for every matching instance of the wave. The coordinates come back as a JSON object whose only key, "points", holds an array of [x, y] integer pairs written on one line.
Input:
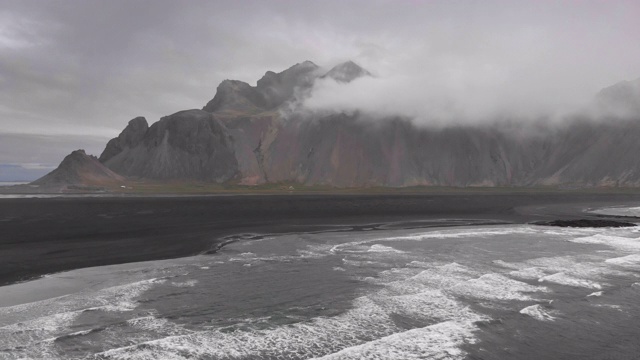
{"points": [[412, 305], [415, 314], [565, 279], [586, 272], [30, 329], [618, 242], [630, 261], [440, 341], [537, 312]]}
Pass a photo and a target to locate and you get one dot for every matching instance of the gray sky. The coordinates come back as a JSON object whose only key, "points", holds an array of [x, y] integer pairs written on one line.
{"points": [[75, 72]]}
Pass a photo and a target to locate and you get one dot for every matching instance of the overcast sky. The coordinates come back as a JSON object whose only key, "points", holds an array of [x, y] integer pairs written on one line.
{"points": [[75, 72]]}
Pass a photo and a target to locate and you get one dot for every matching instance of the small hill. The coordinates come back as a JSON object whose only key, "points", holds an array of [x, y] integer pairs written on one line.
{"points": [[81, 169]]}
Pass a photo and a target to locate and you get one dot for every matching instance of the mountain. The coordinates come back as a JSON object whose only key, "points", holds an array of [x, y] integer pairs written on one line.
{"points": [[621, 99], [254, 135], [346, 72], [188, 145], [271, 91], [78, 168]]}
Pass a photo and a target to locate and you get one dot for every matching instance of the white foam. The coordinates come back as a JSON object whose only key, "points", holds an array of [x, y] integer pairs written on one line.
{"points": [[188, 283], [505, 264], [537, 312], [424, 291], [618, 211], [31, 328], [609, 306], [583, 271], [163, 326], [80, 333], [597, 293], [311, 254], [631, 261], [439, 341], [565, 279], [368, 328], [79, 300], [472, 233], [441, 234], [35, 337], [383, 249], [44, 324], [361, 263], [497, 287], [530, 273], [618, 242]]}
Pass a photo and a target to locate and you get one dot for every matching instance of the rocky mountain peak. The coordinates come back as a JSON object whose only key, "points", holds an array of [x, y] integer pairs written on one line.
{"points": [[621, 99], [278, 88], [271, 91], [346, 72], [294, 74], [128, 138], [235, 95]]}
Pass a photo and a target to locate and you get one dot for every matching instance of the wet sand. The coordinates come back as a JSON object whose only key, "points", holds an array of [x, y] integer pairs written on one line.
{"points": [[45, 235]]}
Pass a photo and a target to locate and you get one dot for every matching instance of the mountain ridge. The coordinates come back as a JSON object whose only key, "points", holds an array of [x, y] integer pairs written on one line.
{"points": [[242, 136]]}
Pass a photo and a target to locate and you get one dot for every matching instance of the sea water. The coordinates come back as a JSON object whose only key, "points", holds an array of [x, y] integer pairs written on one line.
{"points": [[12, 183], [490, 292]]}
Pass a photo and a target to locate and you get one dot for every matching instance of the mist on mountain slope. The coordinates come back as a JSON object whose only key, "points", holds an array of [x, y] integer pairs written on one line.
{"points": [[468, 94]]}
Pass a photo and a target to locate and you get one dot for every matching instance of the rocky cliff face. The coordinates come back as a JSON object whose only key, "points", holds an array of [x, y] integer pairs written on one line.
{"points": [[188, 145], [242, 136], [128, 138]]}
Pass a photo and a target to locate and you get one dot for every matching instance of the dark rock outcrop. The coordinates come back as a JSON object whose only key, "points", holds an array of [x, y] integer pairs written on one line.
{"points": [[188, 145], [236, 95], [78, 168], [128, 138], [271, 91], [588, 223], [278, 88]]}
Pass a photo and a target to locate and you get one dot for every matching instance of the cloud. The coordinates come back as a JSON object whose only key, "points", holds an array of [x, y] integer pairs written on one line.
{"points": [[88, 66], [526, 61], [47, 151], [460, 93]]}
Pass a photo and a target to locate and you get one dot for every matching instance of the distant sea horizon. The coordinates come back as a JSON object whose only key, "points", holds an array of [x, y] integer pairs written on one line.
{"points": [[11, 183]]}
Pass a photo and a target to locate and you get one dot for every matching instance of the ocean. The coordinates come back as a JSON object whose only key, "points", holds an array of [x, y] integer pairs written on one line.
{"points": [[11, 183], [470, 292]]}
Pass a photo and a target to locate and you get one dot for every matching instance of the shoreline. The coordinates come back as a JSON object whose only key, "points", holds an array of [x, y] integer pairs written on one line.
{"points": [[49, 235]]}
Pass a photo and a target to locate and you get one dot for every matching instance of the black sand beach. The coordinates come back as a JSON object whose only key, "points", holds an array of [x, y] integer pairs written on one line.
{"points": [[46, 235]]}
